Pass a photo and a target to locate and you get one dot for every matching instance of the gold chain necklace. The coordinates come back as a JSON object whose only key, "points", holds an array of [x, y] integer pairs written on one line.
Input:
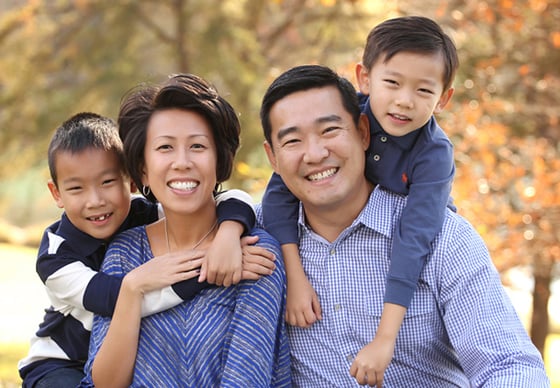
{"points": [[195, 245]]}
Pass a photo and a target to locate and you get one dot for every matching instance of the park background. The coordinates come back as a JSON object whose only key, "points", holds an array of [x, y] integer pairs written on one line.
{"points": [[60, 57]]}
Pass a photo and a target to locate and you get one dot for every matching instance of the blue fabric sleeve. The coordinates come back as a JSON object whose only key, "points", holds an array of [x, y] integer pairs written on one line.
{"points": [[421, 219], [233, 209], [280, 211], [100, 296], [187, 289]]}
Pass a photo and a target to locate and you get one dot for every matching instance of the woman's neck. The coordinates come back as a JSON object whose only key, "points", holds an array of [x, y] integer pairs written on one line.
{"points": [[182, 232]]}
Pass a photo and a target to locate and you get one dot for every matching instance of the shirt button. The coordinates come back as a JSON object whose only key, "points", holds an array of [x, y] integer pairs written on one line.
{"points": [[350, 358], [376, 158], [383, 139], [337, 307], [332, 252]]}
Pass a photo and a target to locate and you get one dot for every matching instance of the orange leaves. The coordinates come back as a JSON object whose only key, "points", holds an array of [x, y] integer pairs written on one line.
{"points": [[555, 38]]}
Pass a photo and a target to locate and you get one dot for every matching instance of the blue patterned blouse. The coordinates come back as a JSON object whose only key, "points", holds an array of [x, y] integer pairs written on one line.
{"points": [[227, 337]]}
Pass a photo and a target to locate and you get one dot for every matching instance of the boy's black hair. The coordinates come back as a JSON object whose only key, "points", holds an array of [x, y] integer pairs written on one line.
{"points": [[415, 34], [83, 131], [305, 77]]}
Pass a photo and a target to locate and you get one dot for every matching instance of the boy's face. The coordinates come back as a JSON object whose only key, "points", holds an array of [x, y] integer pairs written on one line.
{"points": [[405, 91], [93, 191], [317, 149]]}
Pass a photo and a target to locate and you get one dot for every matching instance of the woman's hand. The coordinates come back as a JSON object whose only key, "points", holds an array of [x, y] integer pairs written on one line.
{"points": [[165, 270]]}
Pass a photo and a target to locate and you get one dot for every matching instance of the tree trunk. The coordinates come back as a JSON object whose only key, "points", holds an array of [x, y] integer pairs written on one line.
{"points": [[541, 295]]}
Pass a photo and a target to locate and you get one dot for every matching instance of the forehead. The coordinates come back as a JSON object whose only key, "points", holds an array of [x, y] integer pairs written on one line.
{"points": [[177, 122], [307, 109], [85, 164], [429, 66]]}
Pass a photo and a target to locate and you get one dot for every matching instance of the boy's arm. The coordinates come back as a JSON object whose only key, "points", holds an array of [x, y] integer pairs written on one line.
{"points": [[236, 215], [421, 220], [279, 213], [302, 303], [373, 359]]}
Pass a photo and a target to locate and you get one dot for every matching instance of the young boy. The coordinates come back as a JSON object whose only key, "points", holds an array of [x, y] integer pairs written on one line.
{"points": [[405, 77], [89, 181]]}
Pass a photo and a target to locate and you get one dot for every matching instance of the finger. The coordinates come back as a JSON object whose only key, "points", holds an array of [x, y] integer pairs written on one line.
{"points": [[316, 305], [249, 240], [190, 274], [249, 275], [236, 278], [203, 272], [309, 316]]}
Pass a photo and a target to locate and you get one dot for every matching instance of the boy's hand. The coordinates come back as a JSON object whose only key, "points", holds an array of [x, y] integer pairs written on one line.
{"points": [[302, 303], [371, 362], [257, 261], [223, 262]]}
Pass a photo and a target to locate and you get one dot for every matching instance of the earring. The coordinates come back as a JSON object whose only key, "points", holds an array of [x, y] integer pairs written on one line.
{"points": [[146, 190]]}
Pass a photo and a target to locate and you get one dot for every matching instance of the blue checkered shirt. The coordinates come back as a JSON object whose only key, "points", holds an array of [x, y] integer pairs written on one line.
{"points": [[461, 329]]}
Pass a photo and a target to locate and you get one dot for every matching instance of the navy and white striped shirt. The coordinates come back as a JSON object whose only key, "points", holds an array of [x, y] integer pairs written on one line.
{"points": [[226, 336], [461, 329]]}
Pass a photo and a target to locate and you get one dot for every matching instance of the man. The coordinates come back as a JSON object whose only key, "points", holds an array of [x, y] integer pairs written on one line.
{"points": [[460, 330]]}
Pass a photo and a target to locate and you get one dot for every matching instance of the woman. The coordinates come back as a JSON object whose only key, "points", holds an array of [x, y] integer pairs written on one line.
{"points": [[180, 141]]}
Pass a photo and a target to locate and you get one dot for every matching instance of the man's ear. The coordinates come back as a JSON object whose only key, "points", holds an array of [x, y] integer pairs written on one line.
{"points": [[55, 194], [363, 128], [270, 155], [443, 100], [362, 76], [133, 187]]}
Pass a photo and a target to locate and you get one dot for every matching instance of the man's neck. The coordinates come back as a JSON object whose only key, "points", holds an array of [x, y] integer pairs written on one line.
{"points": [[330, 221]]}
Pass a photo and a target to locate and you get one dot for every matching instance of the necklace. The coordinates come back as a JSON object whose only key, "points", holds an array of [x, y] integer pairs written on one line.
{"points": [[195, 245]]}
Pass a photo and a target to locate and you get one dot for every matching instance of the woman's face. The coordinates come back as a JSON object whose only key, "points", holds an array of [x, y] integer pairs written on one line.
{"points": [[180, 161]]}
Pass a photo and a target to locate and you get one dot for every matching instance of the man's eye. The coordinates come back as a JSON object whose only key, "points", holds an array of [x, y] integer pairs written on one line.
{"points": [[331, 129], [290, 142]]}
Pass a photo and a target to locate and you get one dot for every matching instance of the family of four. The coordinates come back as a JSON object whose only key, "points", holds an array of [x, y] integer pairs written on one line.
{"points": [[380, 281]]}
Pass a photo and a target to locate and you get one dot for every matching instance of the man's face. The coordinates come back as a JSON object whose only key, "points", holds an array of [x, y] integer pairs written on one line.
{"points": [[317, 149]]}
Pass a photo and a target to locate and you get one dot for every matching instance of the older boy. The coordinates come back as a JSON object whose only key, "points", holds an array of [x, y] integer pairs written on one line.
{"points": [[88, 180]]}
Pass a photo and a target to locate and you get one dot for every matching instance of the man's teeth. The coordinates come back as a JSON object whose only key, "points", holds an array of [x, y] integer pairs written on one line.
{"points": [[322, 174], [183, 185]]}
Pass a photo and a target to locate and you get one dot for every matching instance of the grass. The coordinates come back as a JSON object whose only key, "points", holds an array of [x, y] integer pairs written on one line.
{"points": [[26, 300]]}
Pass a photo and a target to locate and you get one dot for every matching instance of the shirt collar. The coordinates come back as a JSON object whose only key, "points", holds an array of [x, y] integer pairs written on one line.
{"points": [[378, 214]]}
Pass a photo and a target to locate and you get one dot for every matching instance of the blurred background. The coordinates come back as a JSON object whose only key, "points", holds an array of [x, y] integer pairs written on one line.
{"points": [[60, 57]]}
